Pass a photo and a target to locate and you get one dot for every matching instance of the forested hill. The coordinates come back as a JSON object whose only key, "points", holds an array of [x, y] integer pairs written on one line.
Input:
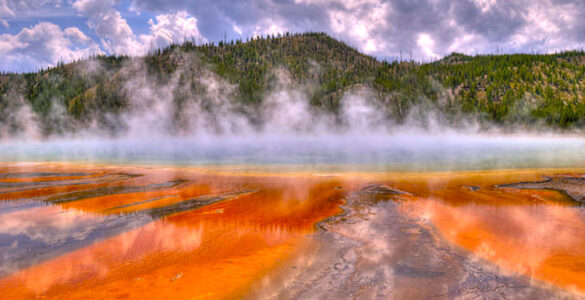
{"points": [[519, 90]]}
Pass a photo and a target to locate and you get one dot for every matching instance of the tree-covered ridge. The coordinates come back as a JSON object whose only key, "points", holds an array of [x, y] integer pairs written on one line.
{"points": [[310, 59], [517, 89]]}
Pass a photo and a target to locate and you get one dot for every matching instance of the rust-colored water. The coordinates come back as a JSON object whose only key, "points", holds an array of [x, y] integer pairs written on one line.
{"points": [[534, 232], [196, 234], [215, 251]]}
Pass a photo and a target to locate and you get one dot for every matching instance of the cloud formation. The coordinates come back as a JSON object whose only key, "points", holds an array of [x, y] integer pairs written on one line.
{"points": [[385, 28], [44, 44], [117, 37], [15, 9], [421, 29]]}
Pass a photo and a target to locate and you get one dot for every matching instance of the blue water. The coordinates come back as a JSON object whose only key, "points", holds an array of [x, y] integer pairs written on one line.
{"points": [[399, 152]]}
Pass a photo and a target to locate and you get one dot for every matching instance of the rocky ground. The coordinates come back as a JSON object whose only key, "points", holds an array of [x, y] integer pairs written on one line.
{"points": [[572, 186]]}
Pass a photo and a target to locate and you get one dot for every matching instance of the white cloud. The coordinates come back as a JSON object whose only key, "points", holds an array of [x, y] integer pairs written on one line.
{"points": [[94, 8], [5, 9], [172, 28], [382, 28], [272, 27], [76, 35], [20, 8], [546, 28], [485, 5], [359, 22], [117, 37], [237, 29], [43, 45], [426, 43], [465, 43]]}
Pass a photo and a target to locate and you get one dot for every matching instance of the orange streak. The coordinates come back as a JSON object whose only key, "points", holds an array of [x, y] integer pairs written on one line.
{"points": [[217, 251], [220, 250], [536, 233]]}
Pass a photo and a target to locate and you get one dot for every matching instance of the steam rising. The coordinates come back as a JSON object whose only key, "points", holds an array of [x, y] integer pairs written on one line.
{"points": [[166, 123], [167, 107]]}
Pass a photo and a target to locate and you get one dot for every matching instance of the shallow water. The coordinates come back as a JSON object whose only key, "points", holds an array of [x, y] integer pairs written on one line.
{"points": [[531, 232], [119, 231], [359, 152], [145, 220]]}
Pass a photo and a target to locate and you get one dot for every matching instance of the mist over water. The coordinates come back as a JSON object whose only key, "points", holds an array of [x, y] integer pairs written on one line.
{"points": [[211, 128], [391, 152]]}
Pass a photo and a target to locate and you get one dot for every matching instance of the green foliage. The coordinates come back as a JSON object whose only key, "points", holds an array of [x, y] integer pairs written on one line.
{"points": [[503, 89]]}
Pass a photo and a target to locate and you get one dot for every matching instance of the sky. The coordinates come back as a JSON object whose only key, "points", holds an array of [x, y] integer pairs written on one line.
{"points": [[40, 33]]}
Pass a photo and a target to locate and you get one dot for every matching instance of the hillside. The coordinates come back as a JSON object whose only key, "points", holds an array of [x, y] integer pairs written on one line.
{"points": [[511, 90], [518, 88]]}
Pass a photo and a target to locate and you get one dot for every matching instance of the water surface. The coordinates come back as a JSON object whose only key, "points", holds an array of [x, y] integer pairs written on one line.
{"points": [[289, 218]]}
